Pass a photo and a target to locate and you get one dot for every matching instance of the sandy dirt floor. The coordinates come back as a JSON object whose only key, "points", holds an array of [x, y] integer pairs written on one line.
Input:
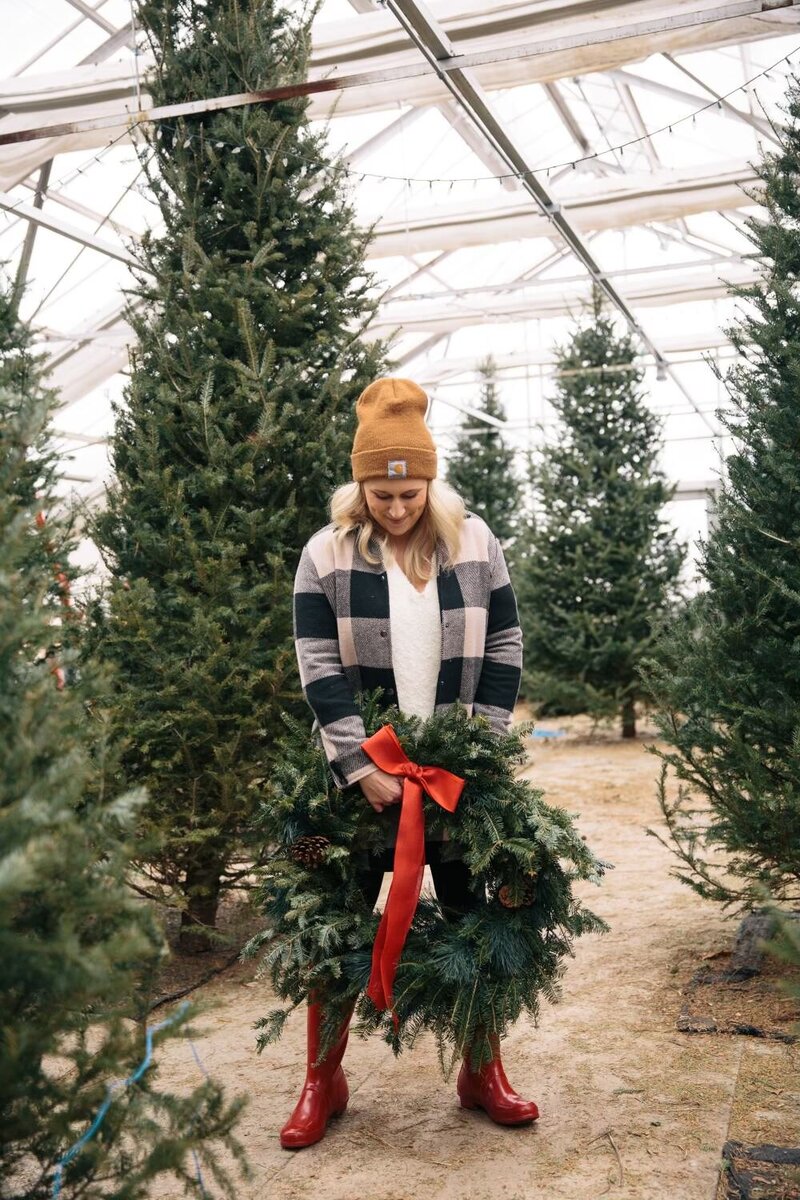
{"points": [[630, 1107]]}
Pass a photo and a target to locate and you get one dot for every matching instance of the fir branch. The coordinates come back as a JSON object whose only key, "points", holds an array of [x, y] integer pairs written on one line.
{"points": [[457, 978]]}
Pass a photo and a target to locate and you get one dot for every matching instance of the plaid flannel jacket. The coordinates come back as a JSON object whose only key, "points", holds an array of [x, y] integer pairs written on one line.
{"points": [[343, 637]]}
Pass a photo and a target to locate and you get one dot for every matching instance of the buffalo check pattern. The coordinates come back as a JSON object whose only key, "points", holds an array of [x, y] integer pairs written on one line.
{"points": [[343, 637]]}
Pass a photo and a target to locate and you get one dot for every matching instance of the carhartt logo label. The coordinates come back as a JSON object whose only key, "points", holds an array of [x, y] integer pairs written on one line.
{"points": [[397, 469]]}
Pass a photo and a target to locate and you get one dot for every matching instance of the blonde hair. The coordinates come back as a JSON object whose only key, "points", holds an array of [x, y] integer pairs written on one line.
{"points": [[441, 520]]}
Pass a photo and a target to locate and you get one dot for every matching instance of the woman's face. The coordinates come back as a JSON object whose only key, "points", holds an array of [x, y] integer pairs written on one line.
{"points": [[396, 504]]}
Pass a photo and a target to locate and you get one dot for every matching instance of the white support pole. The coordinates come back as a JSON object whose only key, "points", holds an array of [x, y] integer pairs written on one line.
{"points": [[91, 14], [724, 105], [30, 212]]}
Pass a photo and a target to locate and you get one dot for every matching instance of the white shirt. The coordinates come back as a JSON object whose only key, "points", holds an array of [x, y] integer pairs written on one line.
{"points": [[416, 636]]}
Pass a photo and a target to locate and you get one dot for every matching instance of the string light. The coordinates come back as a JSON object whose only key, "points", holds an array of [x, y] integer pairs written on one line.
{"points": [[56, 187], [570, 163], [58, 184]]}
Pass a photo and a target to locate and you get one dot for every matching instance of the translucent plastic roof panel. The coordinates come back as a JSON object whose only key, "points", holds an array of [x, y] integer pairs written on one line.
{"points": [[644, 142]]}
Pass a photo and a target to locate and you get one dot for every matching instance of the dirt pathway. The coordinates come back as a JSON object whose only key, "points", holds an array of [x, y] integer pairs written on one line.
{"points": [[630, 1108]]}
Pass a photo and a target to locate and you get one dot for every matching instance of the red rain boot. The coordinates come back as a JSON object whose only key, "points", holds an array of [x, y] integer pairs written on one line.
{"points": [[488, 1088], [324, 1093]]}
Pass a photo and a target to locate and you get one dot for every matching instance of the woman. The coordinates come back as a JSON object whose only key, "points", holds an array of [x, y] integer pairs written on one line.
{"points": [[407, 592]]}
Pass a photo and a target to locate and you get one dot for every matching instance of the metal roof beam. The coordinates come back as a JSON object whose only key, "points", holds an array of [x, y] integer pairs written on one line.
{"points": [[450, 369], [683, 236], [122, 38], [566, 42], [107, 361], [82, 365], [478, 145], [521, 281], [567, 117], [432, 41], [476, 413], [637, 124], [679, 287], [94, 366], [573, 127], [56, 225], [660, 196], [426, 268], [91, 14], [43, 50], [463, 85], [379, 140], [430, 343], [54, 197], [762, 127], [693, 99], [524, 282], [30, 233], [565, 45]]}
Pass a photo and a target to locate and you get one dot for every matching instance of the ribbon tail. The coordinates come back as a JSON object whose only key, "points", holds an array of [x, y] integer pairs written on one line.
{"points": [[398, 915], [375, 986]]}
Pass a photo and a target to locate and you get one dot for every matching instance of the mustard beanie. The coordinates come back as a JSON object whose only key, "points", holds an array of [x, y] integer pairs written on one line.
{"points": [[392, 440]]}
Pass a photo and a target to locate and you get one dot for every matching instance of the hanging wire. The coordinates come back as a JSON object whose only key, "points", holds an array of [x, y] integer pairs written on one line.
{"points": [[617, 149], [571, 163], [68, 178], [120, 1085], [76, 257]]}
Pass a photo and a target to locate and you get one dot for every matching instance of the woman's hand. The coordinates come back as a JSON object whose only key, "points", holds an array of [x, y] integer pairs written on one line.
{"points": [[381, 789]]}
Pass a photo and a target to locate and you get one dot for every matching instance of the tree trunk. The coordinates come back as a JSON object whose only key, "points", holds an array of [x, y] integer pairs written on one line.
{"points": [[202, 887], [628, 718]]}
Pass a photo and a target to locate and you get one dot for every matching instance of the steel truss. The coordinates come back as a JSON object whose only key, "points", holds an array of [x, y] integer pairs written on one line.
{"points": [[453, 66]]}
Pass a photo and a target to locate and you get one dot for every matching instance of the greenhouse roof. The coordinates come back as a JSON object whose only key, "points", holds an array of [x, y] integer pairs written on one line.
{"points": [[506, 154]]}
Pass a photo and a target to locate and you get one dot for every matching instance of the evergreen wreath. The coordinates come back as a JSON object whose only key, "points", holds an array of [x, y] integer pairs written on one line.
{"points": [[465, 979]]}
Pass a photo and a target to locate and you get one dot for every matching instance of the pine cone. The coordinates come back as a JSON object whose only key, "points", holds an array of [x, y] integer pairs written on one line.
{"points": [[310, 851], [528, 894]]}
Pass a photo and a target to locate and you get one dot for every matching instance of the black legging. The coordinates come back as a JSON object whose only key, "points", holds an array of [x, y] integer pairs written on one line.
{"points": [[450, 878]]}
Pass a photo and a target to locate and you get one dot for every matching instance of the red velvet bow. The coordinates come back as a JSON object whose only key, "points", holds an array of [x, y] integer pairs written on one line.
{"points": [[409, 855]]}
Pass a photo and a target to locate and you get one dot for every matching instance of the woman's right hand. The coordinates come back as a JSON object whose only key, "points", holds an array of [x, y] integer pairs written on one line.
{"points": [[381, 789]]}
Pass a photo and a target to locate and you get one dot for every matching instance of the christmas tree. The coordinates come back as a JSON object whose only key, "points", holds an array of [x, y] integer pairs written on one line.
{"points": [[76, 947], [22, 378], [600, 567], [727, 676], [237, 425], [481, 467]]}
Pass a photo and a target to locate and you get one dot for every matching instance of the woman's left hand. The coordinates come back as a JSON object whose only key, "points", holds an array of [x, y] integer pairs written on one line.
{"points": [[381, 789]]}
